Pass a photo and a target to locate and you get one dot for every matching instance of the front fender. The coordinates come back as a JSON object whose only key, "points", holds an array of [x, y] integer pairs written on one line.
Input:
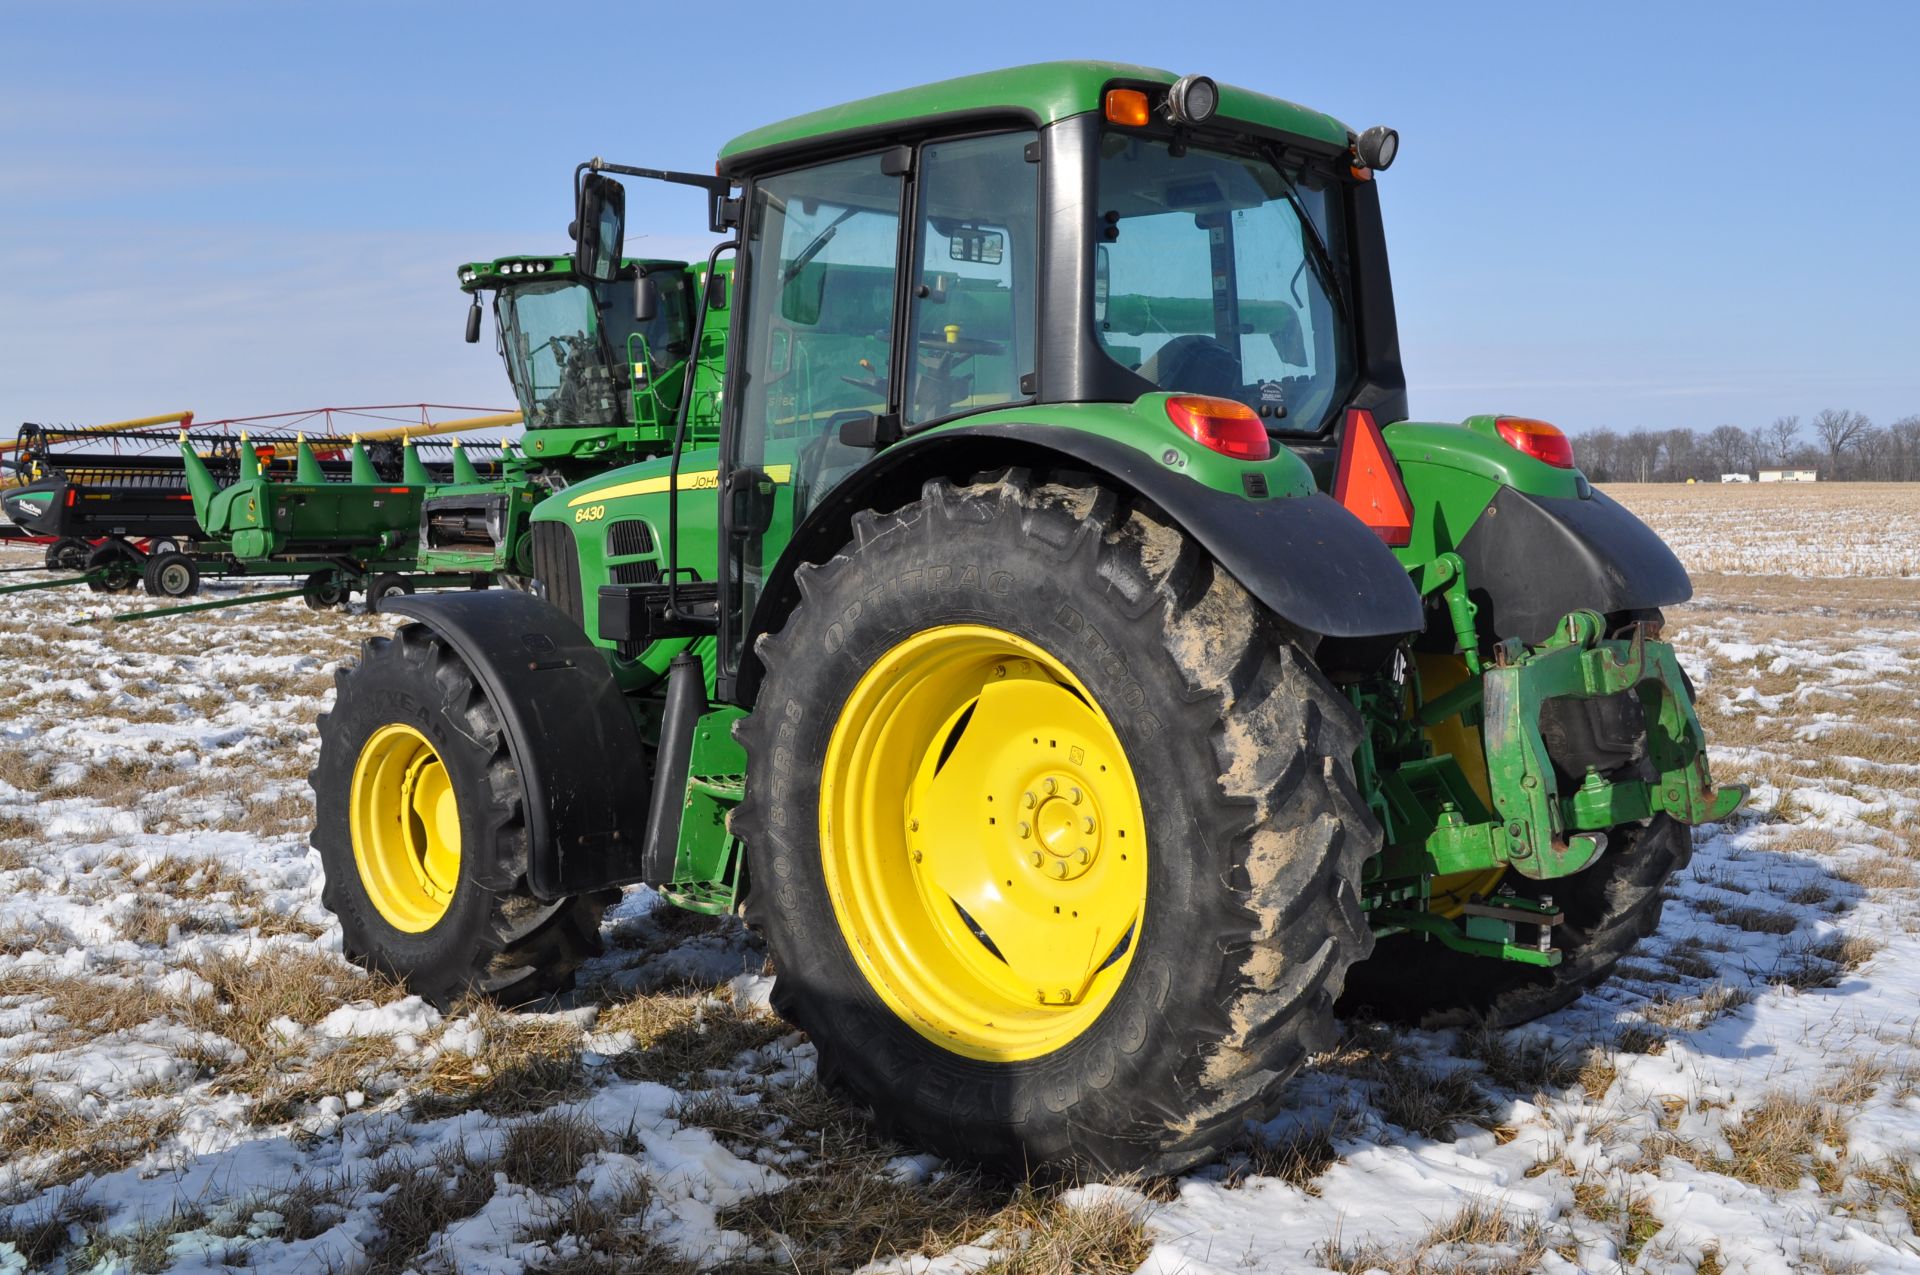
{"points": [[575, 745], [1303, 556]]}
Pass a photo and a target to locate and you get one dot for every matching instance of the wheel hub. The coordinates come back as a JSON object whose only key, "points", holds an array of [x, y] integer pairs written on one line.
{"points": [[1065, 829], [995, 906], [404, 820]]}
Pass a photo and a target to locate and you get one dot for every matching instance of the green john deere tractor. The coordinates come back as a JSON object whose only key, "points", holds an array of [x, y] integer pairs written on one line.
{"points": [[1071, 659]]}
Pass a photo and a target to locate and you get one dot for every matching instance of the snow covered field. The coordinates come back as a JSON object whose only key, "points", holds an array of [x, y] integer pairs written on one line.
{"points": [[1815, 529], [191, 1079]]}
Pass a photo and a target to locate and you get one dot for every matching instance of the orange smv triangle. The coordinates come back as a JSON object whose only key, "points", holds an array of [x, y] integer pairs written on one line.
{"points": [[1367, 481]]}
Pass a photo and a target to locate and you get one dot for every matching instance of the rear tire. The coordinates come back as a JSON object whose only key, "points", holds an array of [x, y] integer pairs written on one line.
{"points": [[491, 936], [1610, 907], [1241, 755]]}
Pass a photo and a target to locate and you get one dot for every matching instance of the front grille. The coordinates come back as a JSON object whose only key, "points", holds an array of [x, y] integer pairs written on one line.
{"points": [[557, 567], [634, 573], [629, 538]]}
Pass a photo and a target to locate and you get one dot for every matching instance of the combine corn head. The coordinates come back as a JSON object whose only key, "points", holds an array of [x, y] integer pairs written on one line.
{"points": [[134, 503]]}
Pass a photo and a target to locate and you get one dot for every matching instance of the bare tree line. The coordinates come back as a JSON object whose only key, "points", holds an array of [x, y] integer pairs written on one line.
{"points": [[1838, 444]]}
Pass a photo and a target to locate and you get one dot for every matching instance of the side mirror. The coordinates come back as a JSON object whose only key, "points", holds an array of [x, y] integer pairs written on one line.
{"points": [[646, 299], [600, 228], [473, 322]]}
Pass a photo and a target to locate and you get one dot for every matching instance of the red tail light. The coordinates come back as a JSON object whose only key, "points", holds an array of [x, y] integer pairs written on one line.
{"points": [[1537, 439], [1368, 483], [1221, 425]]}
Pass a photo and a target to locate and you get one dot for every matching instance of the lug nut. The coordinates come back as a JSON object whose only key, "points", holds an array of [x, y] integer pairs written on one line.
{"points": [[1034, 858], [1028, 800], [1081, 855], [1086, 825], [1060, 868], [1073, 795], [1051, 785], [913, 825], [1025, 830]]}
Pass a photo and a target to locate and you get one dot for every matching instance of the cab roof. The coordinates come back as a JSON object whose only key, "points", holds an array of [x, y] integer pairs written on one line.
{"points": [[1043, 93]]}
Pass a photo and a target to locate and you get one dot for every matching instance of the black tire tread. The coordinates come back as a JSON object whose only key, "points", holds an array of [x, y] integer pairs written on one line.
{"points": [[1282, 739], [527, 950]]}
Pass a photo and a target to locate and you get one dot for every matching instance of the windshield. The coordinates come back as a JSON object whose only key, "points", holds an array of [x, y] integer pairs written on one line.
{"points": [[1209, 280], [551, 335], [563, 371]]}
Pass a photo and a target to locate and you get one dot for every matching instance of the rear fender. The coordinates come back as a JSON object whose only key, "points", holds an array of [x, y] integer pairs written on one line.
{"points": [[1304, 557], [1531, 560], [581, 759]]}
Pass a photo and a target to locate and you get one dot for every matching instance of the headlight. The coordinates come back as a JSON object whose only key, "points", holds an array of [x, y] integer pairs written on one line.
{"points": [[1377, 147], [1193, 99]]}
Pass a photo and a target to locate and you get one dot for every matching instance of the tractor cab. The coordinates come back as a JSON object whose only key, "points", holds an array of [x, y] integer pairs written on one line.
{"points": [[580, 353], [1202, 269]]}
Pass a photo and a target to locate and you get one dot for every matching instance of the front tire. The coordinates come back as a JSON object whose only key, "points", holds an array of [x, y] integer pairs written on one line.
{"points": [[914, 940], [421, 831]]}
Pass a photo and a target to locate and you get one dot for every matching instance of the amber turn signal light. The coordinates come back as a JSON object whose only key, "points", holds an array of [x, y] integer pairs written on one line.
{"points": [[1127, 106]]}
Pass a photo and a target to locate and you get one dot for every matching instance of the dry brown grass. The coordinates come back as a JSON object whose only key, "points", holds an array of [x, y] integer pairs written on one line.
{"points": [[1296, 1159], [1455, 1246], [1420, 1101], [1102, 1238], [73, 1008], [606, 1237], [1786, 1137], [42, 1231], [1694, 1012], [548, 1151], [1526, 1065], [76, 1141], [424, 1200], [682, 1035], [525, 1064], [842, 1208]]}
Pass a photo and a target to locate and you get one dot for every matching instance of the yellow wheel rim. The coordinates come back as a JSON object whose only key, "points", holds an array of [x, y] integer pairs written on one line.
{"points": [[983, 843], [405, 823], [1438, 675]]}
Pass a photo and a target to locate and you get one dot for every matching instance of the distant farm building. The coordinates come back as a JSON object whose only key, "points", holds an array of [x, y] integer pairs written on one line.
{"points": [[1736, 478], [1789, 475]]}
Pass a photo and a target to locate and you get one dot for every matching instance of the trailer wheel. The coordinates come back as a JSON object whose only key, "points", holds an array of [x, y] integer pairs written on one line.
{"points": [[162, 544], [1052, 831], [114, 566], [68, 554], [388, 584], [326, 590], [421, 832], [171, 574]]}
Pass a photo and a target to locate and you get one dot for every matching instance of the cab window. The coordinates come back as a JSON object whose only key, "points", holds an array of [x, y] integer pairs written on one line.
{"points": [[973, 303]]}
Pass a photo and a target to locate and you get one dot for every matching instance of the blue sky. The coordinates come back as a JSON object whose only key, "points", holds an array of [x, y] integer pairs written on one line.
{"points": [[1625, 215]]}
